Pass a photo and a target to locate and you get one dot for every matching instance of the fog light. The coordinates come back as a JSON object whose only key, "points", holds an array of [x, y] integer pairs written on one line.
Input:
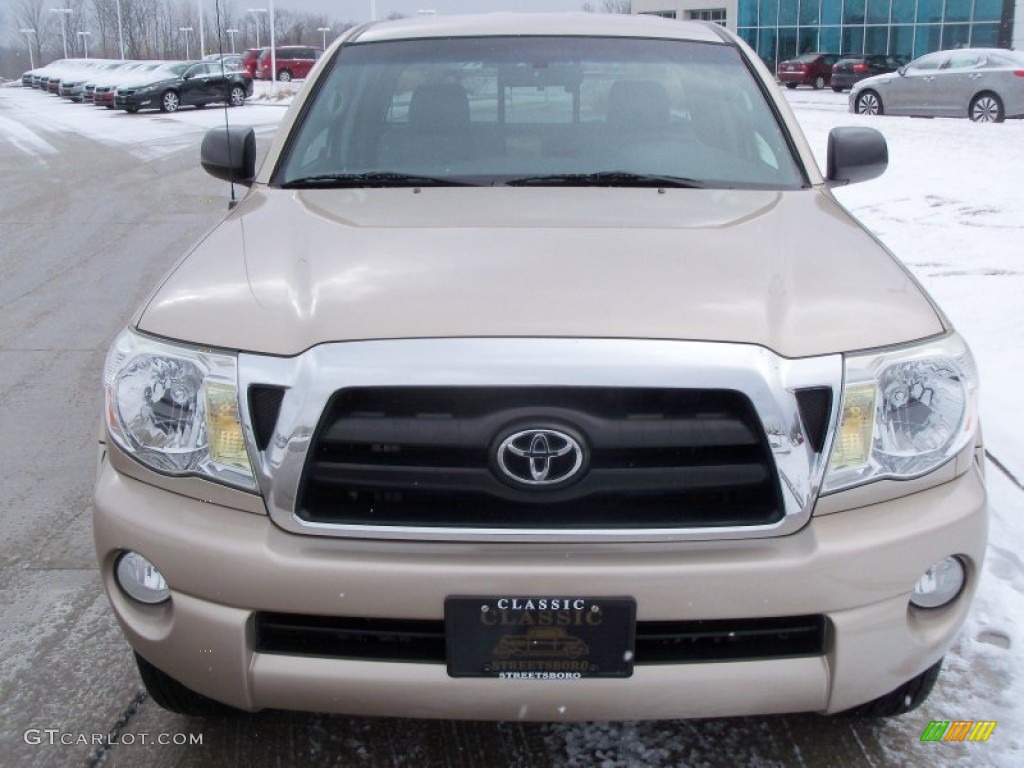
{"points": [[141, 580], [939, 584]]}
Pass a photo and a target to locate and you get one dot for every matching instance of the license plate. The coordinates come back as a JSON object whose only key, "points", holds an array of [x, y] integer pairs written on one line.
{"points": [[540, 638]]}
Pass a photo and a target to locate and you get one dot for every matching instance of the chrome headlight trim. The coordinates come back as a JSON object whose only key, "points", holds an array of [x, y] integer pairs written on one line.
{"points": [[174, 408], [904, 412]]}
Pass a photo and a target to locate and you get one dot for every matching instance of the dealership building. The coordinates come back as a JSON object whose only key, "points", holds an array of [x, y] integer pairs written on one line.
{"points": [[782, 29]]}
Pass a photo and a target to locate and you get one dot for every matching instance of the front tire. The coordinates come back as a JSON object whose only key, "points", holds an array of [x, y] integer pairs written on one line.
{"points": [[237, 96], [284, 76], [819, 83], [837, 88], [907, 697], [170, 102], [868, 103], [175, 697], [791, 86], [986, 108]]}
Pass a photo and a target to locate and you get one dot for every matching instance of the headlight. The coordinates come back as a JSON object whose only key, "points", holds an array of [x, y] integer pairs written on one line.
{"points": [[175, 409], [905, 412]]}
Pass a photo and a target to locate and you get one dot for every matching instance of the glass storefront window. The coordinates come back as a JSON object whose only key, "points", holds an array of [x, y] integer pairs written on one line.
{"points": [[787, 43], [808, 41], [878, 11], [853, 40], [787, 12], [749, 36], [901, 42], [929, 10], [927, 38], [955, 35], [831, 11], [746, 13], [766, 42], [984, 35], [768, 13], [958, 10], [853, 12], [809, 12], [989, 10], [828, 39], [902, 10]]}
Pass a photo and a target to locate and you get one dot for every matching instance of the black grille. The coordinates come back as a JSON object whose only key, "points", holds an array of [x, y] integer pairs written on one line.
{"points": [[657, 642], [264, 405], [657, 458]]}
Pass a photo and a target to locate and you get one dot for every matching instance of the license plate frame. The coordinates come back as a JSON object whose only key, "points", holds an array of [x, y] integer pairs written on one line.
{"points": [[540, 638]]}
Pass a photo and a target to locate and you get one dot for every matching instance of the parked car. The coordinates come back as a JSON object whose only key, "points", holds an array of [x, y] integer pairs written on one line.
{"points": [[983, 84], [813, 69], [232, 61], [293, 62], [196, 83], [540, 321], [852, 69], [113, 72], [139, 71], [250, 57]]}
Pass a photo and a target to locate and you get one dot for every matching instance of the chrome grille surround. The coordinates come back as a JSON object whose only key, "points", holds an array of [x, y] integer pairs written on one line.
{"points": [[313, 377]]}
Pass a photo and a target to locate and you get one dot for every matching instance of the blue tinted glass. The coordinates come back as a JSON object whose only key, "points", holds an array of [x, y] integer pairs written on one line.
{"points": [[929, 10], [828, 39], [853, 12], [901, 42], [958, 10], [809, 11], [984, 35], [769, 13], [831, 11], [878, 11], [747, 14], [787, 12], [927, 39], [955, 35], [766, 47], [988, 10], [809, 40], [787, 43], [749, 36], [875, 39], [853, 40], [902, 10]]}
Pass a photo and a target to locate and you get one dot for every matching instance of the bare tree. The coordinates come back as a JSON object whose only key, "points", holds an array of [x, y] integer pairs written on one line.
{"points": [[610, 6]]}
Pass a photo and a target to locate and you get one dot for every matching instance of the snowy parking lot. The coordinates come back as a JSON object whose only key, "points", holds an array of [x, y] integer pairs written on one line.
{"points": [[949, 206]]}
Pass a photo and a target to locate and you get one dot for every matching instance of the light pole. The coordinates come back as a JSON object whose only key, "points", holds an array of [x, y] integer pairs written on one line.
{"points": [[64, 13], [324, 30], [31, 59], [257, 12], [120, 29], [85, 41], [232, 33], [186, 30], [202, 38]]}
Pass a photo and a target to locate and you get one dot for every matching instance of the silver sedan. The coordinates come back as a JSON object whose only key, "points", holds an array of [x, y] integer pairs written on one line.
{"points": [[984, 84]]}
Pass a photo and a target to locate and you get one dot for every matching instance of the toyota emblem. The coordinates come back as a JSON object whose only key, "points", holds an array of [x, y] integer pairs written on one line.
{"points": [[540, 457]]}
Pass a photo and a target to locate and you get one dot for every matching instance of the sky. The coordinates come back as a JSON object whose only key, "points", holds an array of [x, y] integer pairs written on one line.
{"points": [[359, 10]]}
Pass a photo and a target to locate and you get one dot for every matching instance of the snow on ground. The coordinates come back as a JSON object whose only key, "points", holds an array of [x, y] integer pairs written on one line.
{"points": [[950, 207]]}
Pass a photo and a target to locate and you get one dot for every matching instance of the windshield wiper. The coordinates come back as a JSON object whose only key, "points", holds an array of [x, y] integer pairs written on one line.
{"points": [[606, 179], [372, 179]]}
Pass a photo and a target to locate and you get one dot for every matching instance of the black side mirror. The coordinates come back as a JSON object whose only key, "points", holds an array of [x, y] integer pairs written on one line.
{"points": [[855, 154], [902, 71], [229, 153]]}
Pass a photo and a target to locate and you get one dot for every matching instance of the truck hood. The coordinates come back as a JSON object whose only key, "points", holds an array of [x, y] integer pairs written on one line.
{"points": [[289, 269]]}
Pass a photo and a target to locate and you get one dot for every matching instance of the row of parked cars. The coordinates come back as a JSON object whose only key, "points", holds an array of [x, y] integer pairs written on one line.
{"points": [[820, 70], [984, 84], [136, 85]]}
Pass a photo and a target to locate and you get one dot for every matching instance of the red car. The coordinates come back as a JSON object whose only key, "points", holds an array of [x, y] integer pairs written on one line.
{"points": [[293, 62], [813, 69]]}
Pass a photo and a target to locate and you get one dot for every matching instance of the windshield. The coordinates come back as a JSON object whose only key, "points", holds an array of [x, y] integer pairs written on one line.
{"points": [[572, 110]]}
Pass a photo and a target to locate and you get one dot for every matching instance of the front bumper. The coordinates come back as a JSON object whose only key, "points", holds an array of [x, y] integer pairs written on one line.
{"points": [[855, 567], [136, 100]]}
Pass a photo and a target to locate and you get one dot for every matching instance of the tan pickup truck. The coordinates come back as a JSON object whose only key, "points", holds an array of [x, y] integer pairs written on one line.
{"points": [[540, 321]]}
